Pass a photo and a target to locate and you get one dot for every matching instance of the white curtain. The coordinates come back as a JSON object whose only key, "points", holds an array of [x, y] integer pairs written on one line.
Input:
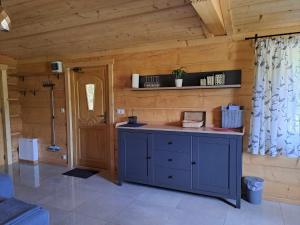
{"points": [[275, 117]]}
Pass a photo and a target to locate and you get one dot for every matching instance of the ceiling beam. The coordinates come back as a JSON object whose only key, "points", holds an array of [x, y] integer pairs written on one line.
{"points": [[226, 12], [211, 15]]}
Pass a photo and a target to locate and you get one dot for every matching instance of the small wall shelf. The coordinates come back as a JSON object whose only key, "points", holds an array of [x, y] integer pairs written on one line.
{"points": [[15, 133], [187, 87], [13, 99], [232, 79], [15, 115]]}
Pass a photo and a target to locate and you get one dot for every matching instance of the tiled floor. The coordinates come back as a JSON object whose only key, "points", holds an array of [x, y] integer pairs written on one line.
{"points": [[96, 201]]}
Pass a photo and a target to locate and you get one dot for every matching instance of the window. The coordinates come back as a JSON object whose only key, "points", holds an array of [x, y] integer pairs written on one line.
{"points": [[90, 95]]}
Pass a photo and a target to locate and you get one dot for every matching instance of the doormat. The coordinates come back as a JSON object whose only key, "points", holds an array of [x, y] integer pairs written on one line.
{"points": [[81, 173]]}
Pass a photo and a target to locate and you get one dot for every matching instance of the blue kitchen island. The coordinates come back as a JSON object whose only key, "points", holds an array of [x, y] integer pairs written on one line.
{"points": [[204, 161]]}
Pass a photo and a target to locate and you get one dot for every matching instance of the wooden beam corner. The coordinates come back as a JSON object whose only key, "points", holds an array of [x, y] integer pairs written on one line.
{"points": [[211, 15]]}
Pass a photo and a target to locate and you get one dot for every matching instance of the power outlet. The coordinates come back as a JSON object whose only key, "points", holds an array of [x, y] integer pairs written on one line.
{"points": [[120, 111], [64, 157]]}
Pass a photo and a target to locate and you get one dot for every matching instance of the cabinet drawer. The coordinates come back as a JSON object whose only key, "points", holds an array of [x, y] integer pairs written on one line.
{"points": [[172, 142], [172, 160], [172, 177]]}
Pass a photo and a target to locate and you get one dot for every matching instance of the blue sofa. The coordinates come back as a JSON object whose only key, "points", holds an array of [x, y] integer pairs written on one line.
{"points": [[16, 212]]}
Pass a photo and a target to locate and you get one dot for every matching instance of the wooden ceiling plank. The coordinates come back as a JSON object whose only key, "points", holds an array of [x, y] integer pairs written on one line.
{"points": [[211, 15], [120, 38], [270, 21], [130, 25], [263, 8], [55, 10], [242, 3], [121, 11]]}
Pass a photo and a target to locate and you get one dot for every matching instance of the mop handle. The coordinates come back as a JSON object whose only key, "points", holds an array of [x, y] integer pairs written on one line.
{"points": [[52, 117]]}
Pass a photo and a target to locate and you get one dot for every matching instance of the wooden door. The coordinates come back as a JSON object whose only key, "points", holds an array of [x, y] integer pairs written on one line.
{"points": [[214, 165], [91, 117]]}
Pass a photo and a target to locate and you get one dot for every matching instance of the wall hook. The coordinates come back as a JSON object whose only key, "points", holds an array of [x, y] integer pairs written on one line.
{"points": [[33, 92], [23, 92]]}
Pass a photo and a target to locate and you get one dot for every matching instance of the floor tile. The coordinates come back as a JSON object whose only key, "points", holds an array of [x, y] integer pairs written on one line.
{"points": [[268, 213], [69, 199], [104, 207], [57, 216], [141, 213], [78, 219], [205, 206], [161, 197], [291, 214]]}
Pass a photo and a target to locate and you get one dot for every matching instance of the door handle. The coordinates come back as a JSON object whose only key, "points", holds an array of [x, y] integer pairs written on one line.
{"points": [[103, 116]]}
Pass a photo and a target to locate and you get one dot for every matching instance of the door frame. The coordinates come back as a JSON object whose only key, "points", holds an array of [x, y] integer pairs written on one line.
{"points": [[5, 115], [71, 112]]}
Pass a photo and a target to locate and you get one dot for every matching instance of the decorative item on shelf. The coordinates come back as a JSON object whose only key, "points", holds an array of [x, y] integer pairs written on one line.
{"points": [[232, 116], [157, 82], [203, 82], [146, 83], [151, 82], [132, 119], [194, 119], [179, 74], [210, 80], [135, 80], [220, 79]]}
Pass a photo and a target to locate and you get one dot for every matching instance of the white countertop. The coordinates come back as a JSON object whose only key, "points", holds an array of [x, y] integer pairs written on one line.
{"points": [[208, 130]]}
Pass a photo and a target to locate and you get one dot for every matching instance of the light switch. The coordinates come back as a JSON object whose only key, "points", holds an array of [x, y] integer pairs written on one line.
{"points": [[120, 111], [62, 110]]}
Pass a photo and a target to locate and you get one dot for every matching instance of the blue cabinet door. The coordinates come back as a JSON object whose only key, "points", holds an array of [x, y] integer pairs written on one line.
{"points": [[214, 165], [135, 156]]}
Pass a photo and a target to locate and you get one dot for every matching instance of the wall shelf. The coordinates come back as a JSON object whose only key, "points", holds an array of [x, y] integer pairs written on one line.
{"points": [[15, 115], [187, 87], [15, 133], [13, 99], [232, 79]]}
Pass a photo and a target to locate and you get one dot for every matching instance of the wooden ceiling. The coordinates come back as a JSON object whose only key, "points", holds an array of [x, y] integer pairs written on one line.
{"points": [[58, 27]]}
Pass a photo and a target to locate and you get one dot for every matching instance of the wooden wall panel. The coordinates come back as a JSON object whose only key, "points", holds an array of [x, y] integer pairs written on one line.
{"points": [[15, 112], [36, 112], [166, 107]]}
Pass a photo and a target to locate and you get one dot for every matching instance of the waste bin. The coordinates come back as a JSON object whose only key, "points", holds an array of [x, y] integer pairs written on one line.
{"points": [[253, 189]]}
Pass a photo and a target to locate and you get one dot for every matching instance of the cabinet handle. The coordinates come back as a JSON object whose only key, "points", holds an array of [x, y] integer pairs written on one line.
{"points": [[170, 142], [170, 177], [193, 163], [148, 157], [170, 160]]}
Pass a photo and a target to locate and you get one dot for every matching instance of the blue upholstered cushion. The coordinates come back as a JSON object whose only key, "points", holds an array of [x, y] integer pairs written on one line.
{"points": [[6, 186], [12, 208], [13, 211]]}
